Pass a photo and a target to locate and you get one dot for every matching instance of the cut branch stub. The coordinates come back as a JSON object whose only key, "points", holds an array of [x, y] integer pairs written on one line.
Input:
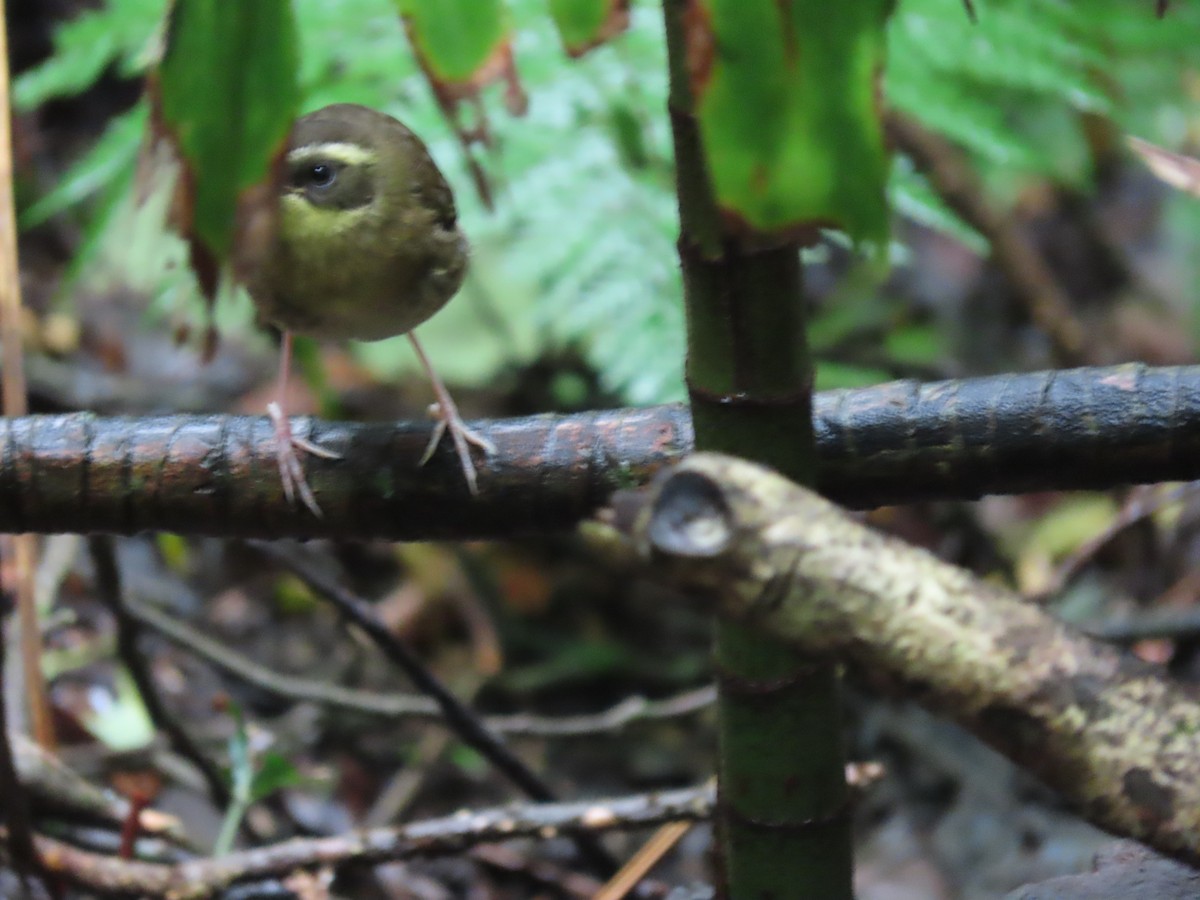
{"points": [[1114, 736], [689, 518]]}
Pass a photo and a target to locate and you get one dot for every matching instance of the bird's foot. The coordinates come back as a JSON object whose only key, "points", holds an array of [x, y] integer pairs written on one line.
{"points": [[448, 420], [291, 473]]}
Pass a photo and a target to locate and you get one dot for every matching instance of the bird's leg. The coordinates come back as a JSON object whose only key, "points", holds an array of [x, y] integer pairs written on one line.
{"points": [[291, 473], [449, 420]]}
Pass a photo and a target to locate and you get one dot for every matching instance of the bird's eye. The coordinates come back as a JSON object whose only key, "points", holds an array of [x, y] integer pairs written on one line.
{"points": [[320, 175]]}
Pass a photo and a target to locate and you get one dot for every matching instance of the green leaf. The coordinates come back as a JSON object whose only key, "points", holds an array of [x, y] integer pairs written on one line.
{"points": [[856, 309], [953, 108], [228, 95], [787, 98], [96, 170], [584, 24], [832, 376], [121, 32], [1030, 47], [911, 195], [123, 723], [628, 132], [274, 773], [241, 777], [456, 37], [175, 550], [916, 345]]}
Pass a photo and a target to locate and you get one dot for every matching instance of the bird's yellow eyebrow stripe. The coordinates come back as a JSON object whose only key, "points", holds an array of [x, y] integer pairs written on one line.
{"points": [[342, 151], [303, 221]]}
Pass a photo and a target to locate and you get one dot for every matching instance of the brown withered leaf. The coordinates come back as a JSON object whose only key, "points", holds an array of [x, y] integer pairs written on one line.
{"points": [[1176, 169]]}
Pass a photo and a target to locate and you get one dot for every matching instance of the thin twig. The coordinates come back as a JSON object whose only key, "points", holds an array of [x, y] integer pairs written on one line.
{"points": [[1151, 624], [15, 809], [407, 706], [1032, 281], [1143, 502], [640, 864], [51, 783], [23, 546], [108, 588], [201, 878], [459, 718], [10, 284]]}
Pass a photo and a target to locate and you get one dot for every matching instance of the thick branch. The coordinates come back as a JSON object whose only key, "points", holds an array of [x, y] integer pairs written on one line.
{"points": [[903, 441], [1114, 736]]}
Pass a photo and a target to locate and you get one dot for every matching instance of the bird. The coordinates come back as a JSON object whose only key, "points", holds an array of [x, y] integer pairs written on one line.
{"points": [[367, 246]]}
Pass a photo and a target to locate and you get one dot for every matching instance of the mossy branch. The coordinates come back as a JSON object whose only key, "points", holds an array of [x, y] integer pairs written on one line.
{"points": [[1114, 736]]}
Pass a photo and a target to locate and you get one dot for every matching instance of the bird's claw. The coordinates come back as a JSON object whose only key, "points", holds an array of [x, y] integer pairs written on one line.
{"points": [[291, 473], [449, 420]]}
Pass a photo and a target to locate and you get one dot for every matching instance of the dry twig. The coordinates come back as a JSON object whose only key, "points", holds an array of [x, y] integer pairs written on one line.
{"points": [[202, 878]]}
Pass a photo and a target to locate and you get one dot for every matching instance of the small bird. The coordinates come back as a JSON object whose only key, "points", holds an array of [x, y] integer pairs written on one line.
{"points": [[368, 247]]}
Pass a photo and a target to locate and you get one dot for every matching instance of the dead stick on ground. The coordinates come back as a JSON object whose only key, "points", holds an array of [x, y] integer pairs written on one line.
{"points": [[207, 877], [640, 864]]}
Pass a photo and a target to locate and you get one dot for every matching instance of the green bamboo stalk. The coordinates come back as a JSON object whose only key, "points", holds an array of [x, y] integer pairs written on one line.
{"points": [[783, 819]]}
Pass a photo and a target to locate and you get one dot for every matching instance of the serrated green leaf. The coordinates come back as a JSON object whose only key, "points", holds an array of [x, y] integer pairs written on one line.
{"points": [[788, 109], [456, 37], [228, 96], [584, 24]]}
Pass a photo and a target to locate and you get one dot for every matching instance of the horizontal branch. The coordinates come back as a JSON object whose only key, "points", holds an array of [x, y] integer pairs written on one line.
{"points": [[1113, 735], [898, 442]]}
